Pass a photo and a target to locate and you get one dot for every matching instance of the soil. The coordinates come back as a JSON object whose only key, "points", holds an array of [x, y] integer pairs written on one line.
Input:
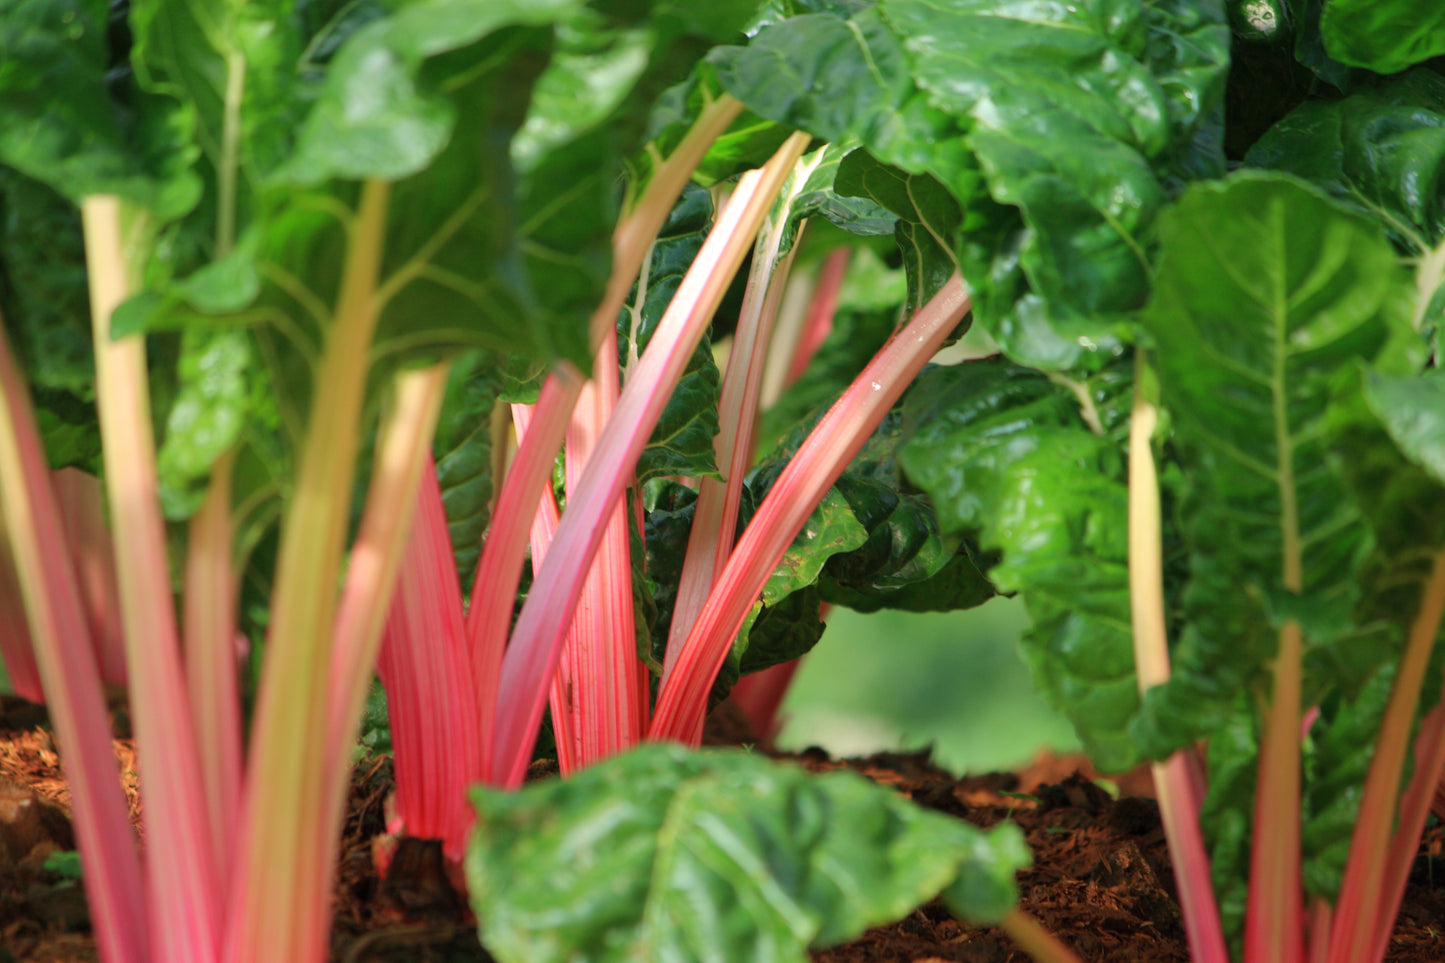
{"points": [[1101, 878]]}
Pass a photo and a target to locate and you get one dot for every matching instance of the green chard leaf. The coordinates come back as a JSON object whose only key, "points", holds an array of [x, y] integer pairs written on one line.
{"points": [[1080, 116], [573, 149], [821, 196], [1060, 129], [1379, 151], [213, 399], [1387, 36], [927, 219], [464, 449], [1006, 456], [1310, 49], [663, 853], [1412, 409], [786, 622], [747, 143], [43, 295], [906, 562], [1266, 291], [448, 277], [869, 544], [76, 125]]}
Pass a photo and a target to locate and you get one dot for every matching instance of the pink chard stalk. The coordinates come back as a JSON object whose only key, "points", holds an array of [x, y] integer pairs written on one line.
{"points": [[65, 660], [537, 638], [429, 800], [184, 903], [818, 462]]}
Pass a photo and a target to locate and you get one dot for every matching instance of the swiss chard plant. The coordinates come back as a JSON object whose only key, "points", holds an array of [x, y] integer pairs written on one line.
{"points": [[354, 308]]}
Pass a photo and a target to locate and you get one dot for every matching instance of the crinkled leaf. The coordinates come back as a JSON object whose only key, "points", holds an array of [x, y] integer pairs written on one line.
{"points": [[821, 197], [1004, 454], [1379, 151], [464, 452], [838, 79], [1386, 36], [848, 80], [1060, 129], [1078, 115], [662, 853], [43, 295], [780, 632], [831, 530], [1265, 292], [682, 442], [906, 561], [213, 400], [817, 196]]}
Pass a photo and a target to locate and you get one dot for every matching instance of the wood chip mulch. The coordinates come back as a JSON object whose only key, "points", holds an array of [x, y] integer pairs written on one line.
{"points": [[1101, 877]]}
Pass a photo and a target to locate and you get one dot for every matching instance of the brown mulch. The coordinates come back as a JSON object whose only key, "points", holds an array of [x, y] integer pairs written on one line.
{"points": [[1101, 879]]}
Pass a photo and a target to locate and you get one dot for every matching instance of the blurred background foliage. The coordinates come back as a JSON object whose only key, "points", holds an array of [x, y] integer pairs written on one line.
{"points": [[955, 680]]}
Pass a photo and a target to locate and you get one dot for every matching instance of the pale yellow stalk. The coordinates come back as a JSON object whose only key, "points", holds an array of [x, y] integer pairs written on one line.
{"points": [[182, 883]]}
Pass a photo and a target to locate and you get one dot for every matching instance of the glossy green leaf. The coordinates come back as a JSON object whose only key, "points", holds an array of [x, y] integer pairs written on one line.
{"points": [[662, 853], [830, 530], [1310, 50], [906, 561], [776, 633], [1265, 292], [1379, 151], [838, 79], [747, 143], [568, 200], [229, 72], [1060, 129], [1386, 36], [1005, 454], [1077, 115], [377, 115], [820, 196]]}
